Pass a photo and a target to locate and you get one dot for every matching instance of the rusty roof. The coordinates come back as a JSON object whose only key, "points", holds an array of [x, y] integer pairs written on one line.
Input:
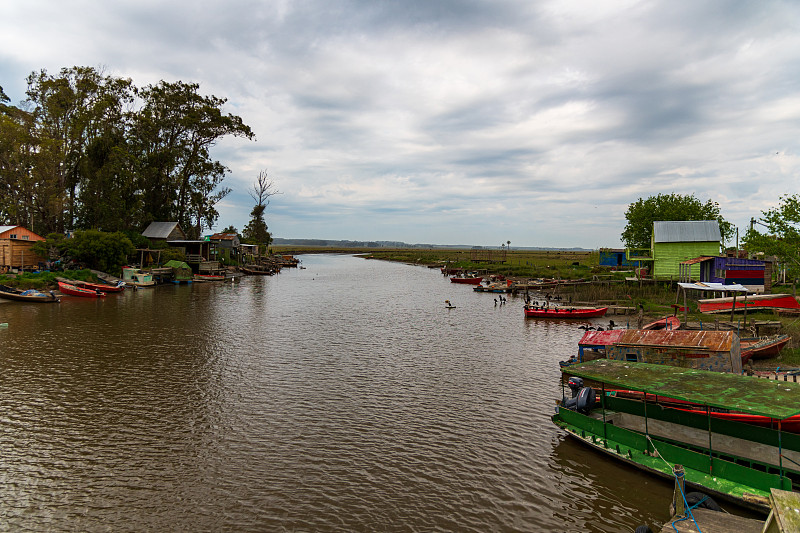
{"points": [[600, 338], [717, 341]]}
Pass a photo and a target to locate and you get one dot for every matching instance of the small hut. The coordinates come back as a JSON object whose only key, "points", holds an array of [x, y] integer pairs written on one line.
{"points": [[16, 248]]}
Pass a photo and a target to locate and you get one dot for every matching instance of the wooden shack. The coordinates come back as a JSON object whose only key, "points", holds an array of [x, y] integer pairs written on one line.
{"points": [[16, 248], [704, 350], [674, 242]]}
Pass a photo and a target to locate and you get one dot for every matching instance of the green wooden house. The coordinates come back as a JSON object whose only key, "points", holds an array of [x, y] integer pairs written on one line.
{"points": [[676, 241]]}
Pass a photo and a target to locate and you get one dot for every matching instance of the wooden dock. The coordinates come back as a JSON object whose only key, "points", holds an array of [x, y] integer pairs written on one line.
{"points": [[714, 522]]}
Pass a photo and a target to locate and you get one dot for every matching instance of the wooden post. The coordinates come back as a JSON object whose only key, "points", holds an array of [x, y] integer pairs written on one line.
{"points": [[733, 305], [679, 490]]}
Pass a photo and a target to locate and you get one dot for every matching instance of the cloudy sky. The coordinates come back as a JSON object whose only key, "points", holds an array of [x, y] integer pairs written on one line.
{"points": [[460, 122]]}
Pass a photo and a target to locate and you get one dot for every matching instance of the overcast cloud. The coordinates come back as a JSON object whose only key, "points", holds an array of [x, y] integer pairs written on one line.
{"points": [[460, 122]]}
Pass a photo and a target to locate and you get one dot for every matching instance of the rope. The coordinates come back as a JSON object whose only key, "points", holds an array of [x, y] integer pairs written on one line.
{"points": [[683, 495]]}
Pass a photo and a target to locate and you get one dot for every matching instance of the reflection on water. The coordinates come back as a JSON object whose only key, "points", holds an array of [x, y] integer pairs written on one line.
{"points": [[339, 397]]}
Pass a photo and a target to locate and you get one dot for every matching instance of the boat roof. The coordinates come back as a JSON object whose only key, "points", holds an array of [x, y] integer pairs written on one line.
{"points": [[600, 338], [715, 287], [747, 394]]}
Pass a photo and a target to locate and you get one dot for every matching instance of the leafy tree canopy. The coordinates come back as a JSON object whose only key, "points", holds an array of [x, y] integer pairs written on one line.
{"points": [[782, 239], [643, 212], [106, 252]]}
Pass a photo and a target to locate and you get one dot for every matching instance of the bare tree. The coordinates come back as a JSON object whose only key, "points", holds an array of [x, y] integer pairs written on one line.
{"points": [[262, 189]]}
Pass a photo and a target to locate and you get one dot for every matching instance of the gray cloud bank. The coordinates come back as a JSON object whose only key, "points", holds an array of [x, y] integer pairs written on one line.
{"points": [[461, 122]]}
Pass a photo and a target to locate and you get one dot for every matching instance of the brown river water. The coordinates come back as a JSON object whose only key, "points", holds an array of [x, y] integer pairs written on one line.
{"points": [[339, 397]]}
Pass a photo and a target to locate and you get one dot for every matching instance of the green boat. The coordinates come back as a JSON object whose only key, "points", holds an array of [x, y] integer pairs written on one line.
{"points": [[729, 460]]}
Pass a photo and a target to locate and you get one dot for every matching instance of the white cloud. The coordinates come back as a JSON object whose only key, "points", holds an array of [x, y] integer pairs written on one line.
{"points": [[464, 122]]}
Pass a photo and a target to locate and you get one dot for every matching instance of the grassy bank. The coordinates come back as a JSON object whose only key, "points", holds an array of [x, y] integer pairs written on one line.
{"points": [[44, 280]]}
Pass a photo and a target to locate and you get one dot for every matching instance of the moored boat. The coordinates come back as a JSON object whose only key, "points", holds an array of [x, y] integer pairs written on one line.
{"points": [[466, 280], [763, 347], [564, 312], [28, 295], [722, 457], [668, 322], [209, 277], [102, 287], [72, 290], [137, 277]]}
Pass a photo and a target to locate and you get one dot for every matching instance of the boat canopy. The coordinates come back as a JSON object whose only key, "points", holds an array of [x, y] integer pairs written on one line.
{"points": [[765, 397], [714, 287]]}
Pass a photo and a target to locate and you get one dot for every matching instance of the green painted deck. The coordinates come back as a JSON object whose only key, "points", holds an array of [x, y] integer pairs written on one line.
{"points": [[775, 399]]}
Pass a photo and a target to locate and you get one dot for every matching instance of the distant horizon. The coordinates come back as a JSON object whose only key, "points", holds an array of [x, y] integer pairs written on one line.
{"points": [[401, 244]]}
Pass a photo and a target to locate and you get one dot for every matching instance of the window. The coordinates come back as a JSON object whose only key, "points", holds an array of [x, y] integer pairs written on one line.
{"points": [[12, 236], [631, 357]]}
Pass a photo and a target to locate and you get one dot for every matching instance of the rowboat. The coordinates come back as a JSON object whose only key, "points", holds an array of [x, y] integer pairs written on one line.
{"points": [[564, 312], [763, 347], [29, 295], [467, 280], [724, 458], [102, 287], [669, 322], [256, 271], [209, 277], [72, 290], [753, 302]]}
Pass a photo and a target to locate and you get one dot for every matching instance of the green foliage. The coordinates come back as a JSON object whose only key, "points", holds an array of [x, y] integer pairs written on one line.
{"points": [[663, 207], [106, 252], [93, 151], [783, 238], [169, 253]]}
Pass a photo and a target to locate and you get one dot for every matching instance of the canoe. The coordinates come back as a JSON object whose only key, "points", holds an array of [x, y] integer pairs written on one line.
{"points": [[30, 295], [102, 287], [762, 347], [755, 302], [669, 322], [565, 312], [72, 290], [466, 280], [209, 277]]}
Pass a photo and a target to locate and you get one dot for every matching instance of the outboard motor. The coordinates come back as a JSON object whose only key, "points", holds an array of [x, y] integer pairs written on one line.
{"points": [[583, 398]]}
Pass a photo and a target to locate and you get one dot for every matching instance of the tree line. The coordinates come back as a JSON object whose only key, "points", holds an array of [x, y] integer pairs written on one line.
{"points": [[89, 151], [775, 233]]}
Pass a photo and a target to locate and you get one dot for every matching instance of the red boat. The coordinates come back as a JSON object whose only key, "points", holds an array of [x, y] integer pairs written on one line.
{"points": [[756, 302], [762, 347], [72, 290], [669, 322], [791, 424], [102, 287], [467, 280], [209, 277], [564, 312]]}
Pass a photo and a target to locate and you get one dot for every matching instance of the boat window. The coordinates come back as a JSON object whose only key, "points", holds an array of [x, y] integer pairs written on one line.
{"points": [[631, 357]]}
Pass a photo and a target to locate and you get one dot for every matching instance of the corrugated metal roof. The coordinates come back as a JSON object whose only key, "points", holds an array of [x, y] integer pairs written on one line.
{"points": [[717, 341], [4, 229], [600, 338], [766, 397], [686, 231], [159, 230]]}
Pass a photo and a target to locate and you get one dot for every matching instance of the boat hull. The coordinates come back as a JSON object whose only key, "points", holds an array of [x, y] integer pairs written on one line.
{"points": [[757, 348], [9, 293], [466, 281], [565, 312], [72, 290]]}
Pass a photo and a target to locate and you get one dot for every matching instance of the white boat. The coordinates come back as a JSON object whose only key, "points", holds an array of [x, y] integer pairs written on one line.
{"points": [[137, 277]]}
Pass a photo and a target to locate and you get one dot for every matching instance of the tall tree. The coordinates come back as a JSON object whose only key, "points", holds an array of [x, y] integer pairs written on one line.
{"points": [[174, 132], [642, 213], [783, 233], [256, 230]]}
